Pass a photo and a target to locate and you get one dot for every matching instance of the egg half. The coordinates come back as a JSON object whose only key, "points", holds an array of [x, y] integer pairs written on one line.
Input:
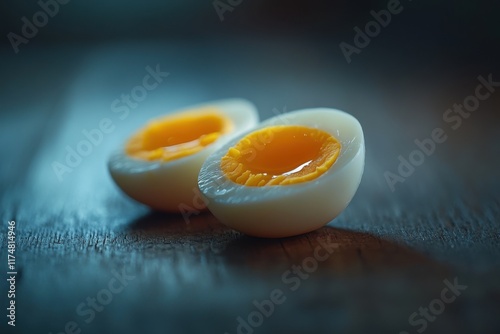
{"points": [[159, 164], [290, 175]]}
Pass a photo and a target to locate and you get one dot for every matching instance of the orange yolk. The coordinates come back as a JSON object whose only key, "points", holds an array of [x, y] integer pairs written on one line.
{"points": [[280, 155], [177, 136]]}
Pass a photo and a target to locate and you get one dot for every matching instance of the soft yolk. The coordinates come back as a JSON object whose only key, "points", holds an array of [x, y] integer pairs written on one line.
{"points": [[177, 136], [280, 155]]}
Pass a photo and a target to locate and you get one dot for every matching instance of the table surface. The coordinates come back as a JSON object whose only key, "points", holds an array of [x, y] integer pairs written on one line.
{"points": [[397, 250]]}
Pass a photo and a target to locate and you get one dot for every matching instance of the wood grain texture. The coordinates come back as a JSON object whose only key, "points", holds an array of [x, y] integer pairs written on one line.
{"points": [[395, 249]]}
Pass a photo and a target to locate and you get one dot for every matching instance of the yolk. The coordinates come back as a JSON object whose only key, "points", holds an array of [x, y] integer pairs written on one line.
{"points": [[177, 136], [280, 155]]}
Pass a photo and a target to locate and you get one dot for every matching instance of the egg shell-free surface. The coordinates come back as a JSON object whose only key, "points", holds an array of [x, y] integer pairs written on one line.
{"points": [[172, 186], [281, 211]]}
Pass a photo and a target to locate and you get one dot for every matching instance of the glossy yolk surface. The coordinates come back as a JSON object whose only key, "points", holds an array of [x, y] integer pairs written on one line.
{"points": [[177, 136], [280, 155]]}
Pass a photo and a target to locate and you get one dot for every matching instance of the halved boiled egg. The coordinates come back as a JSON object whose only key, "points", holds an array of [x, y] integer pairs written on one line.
{"points": [[292, 174], [159, 164]]}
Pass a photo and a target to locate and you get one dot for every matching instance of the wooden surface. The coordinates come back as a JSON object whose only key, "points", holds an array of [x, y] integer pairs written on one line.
{"points": [[395, 249]]}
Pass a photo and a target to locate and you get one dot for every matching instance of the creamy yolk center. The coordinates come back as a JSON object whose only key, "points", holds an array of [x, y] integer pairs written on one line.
{"points": [[177, 136], [280, 155]]}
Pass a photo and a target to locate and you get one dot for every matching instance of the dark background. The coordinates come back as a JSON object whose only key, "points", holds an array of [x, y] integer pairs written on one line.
{"points": [[396, 248]]}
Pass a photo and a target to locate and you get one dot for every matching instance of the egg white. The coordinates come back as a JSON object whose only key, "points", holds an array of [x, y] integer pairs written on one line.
{"points": [[281, 211], [168, 185]]}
